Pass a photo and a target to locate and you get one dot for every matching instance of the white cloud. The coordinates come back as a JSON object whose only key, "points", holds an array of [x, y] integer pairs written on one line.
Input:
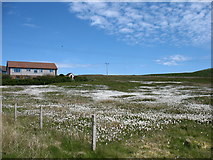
{"points": [[170, 23], [65, 65], [111, 13], [30, 25], [126, 30], [172, 60]]}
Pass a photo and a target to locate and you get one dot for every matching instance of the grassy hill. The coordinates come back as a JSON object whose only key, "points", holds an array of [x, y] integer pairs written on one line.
{"points": [[202, 73]]}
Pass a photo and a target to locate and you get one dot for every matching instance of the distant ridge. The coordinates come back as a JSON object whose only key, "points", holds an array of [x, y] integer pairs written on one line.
{"points": [[202, 73]]}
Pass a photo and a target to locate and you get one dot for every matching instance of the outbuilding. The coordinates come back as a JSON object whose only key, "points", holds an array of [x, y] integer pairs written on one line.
{"points": [[71, 75]]}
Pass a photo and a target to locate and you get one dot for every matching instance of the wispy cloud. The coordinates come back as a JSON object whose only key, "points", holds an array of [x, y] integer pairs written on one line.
{"points": [[172, 60], [65, 65], [30, 25], [149, 23], [28, 19], [10, 12]]}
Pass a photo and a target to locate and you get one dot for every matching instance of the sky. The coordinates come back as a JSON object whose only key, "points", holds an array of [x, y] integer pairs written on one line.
{"points": [[134, 38]]}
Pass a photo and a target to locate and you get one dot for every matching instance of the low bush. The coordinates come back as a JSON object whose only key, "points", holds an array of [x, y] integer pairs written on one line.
{"points": [[80, 78], [41, 80], [4, 76]]}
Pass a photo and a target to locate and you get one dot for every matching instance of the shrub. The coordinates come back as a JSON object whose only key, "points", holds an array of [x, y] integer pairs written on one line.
{"points": [[77, 78], [5, 76], [41, 80]]}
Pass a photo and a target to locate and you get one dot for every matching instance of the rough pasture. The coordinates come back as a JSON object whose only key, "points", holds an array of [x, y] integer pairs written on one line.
{"points": [[128, 117]]}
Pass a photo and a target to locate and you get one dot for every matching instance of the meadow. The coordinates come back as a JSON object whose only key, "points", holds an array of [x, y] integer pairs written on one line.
{"points": [[137, 117]]}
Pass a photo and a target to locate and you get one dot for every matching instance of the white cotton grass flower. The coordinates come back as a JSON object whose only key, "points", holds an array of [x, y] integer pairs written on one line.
{"points": [[113, 123]]}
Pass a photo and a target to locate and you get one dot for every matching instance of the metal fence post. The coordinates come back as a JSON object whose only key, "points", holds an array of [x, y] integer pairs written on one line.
{"points": [[93, 132], [41, 118]]}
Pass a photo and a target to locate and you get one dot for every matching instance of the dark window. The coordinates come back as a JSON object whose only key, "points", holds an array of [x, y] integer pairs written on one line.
{"points": [[17, 70], [51, 70], [41, 70], [28, 69], [35, 71]]}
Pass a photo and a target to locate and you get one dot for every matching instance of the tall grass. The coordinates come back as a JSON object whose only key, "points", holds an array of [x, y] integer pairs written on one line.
{"points": [[186, 139]]}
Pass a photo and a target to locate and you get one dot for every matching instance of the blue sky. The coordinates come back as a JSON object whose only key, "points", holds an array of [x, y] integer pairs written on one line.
{"points": [[134, 38]]}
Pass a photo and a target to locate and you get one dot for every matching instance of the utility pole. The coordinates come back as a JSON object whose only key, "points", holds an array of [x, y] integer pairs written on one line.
{"points": [[107, 64]]}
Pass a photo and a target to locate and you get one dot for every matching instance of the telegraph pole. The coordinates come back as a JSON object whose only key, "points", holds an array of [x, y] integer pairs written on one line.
{"points": [[107, 64]]}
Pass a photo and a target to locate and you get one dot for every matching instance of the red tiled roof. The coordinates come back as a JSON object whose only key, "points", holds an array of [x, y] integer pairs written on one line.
{"points": [[3, 68], [36, 65]]}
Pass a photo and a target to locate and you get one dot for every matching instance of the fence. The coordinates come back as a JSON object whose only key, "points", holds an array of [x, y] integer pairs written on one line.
{"points": [[93, 137]]}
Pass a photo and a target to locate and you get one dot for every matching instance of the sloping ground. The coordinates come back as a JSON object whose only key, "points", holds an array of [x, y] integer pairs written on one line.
{"points": [[202, 73]]}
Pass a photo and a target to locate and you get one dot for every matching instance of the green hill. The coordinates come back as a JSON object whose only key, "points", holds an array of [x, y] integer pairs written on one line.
{"points": [[202, 73]]}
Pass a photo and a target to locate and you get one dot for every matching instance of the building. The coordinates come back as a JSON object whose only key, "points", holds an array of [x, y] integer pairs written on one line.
{"points": [[30, 69], [3, 70], [71, 75]]}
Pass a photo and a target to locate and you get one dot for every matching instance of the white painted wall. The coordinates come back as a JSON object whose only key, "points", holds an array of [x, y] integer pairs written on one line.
{"points": [[31, 72]]}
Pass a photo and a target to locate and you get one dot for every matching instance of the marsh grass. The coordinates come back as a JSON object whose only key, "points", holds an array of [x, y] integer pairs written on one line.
{"points": [[123, 96], [64, 98], [181, 140], [59, 139], [12, 89], [200, 100], [24, 139], [144, 99], [111, 83]]}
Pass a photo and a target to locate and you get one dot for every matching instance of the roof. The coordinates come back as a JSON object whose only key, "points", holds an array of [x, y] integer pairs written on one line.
{"points": [[36, 65], [70, 74], [3, 68]]}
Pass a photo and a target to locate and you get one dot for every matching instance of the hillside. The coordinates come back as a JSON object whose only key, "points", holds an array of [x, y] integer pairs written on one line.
{"points": [[202, 73]]}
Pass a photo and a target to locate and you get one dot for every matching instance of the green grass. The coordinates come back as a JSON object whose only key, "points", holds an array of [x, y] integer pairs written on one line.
{"points": [[24, 139], [65, 99], [200, 100], [110, 81], [144, 99], [186, 139], [15, 89], [122, 83], [201, 73], [123, 96]]}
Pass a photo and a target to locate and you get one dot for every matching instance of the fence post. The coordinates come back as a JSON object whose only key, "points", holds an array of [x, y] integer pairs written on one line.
{"points": [[41, 118], [15, 111], [93, 132]]}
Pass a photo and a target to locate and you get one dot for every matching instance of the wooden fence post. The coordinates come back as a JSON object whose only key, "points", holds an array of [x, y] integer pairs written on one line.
{"points": [[41, 118], [93, 132], [15, 112], [1, 105]]}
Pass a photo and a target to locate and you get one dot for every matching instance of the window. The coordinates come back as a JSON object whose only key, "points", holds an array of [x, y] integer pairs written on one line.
{"points": [[17, 70], [51, 70], [28, 69], [35, 71], [41, 70]]}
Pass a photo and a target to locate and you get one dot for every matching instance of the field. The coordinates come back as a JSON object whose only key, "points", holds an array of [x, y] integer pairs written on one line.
{"points": [[137, 117]]}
